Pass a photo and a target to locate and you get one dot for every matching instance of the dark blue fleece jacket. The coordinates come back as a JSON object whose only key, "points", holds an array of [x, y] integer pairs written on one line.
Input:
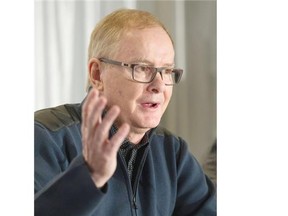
{"points": [[169, 180]]}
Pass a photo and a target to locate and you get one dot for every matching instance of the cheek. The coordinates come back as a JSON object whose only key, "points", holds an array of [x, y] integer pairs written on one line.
{"points": [[168, 95], [120, 93]]}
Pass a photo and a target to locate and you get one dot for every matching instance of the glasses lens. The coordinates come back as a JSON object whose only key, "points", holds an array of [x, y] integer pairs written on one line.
{"points": [[143, 73], [168, 76], [171, 76]]}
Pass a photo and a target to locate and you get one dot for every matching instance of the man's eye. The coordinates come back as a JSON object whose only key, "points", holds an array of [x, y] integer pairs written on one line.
{"points": [[168, 70], [144, 68]]}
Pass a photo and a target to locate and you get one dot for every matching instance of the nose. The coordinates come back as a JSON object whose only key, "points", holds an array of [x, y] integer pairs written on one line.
{"points": [[157, 85]]}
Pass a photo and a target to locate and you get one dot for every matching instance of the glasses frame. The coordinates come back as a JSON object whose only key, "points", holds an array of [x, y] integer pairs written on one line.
{"points": [[177, 71]]}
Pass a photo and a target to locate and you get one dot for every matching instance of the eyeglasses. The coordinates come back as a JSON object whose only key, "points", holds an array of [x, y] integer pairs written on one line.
{"points": [[145, 74]]}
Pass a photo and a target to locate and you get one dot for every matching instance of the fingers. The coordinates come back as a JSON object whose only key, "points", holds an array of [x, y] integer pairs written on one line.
{"points": [[114, 143], [92, 110], [94, 130], [91, 116], [119, 137], [99, 152], [94, 116], [103, 128]]}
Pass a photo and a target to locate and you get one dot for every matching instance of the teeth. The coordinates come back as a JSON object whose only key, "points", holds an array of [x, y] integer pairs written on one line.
{"points": [[151, 105]]}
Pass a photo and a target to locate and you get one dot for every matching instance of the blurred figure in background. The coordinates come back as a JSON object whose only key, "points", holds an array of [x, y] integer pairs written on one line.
{"points": [[210, 164]]}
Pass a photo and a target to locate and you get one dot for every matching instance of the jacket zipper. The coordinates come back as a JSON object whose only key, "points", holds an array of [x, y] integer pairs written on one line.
{"points": [[131, 192], [132, 196], [136, 183], [134, 203]]}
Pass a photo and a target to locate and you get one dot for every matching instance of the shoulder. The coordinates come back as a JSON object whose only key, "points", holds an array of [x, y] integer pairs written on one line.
{"points": [[168, 136], [167, 139], [164, 132], [55, 118]]}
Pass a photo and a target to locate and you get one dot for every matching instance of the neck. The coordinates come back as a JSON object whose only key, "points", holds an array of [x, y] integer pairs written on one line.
{"points": [[135, 137], [136, 134]]}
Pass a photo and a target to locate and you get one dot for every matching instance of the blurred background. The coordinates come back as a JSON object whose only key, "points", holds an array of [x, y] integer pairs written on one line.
{"points": [[62, 33]]}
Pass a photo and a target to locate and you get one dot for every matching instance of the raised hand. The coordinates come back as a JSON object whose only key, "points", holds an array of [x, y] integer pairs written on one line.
{"points": [[100, 152]]}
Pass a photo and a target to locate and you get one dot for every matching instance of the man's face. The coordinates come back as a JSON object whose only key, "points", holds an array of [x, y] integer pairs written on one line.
{"points": [[142, 104]]}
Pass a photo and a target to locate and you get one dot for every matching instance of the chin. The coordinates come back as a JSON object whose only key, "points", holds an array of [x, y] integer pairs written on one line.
{"points": [[146, 121], [152, 124]]}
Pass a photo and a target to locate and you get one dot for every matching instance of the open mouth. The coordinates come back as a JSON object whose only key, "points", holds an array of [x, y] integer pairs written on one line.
{"points": [[150, 105]]}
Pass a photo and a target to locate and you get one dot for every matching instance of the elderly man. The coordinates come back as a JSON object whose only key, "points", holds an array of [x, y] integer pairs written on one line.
{"points": [[107, 155]]}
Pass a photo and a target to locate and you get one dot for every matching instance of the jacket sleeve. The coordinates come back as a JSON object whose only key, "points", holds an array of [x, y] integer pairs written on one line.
{"points": [[195, 192], [61, 188]]}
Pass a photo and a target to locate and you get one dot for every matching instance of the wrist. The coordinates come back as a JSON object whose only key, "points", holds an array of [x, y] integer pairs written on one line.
{"points": [[98, 181]]}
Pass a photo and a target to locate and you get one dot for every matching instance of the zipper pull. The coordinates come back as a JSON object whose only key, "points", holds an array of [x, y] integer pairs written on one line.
{"points": [[134, 203]]}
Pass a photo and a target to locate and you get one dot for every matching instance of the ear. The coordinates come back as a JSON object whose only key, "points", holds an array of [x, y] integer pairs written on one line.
{"points": [[94, 68]]}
